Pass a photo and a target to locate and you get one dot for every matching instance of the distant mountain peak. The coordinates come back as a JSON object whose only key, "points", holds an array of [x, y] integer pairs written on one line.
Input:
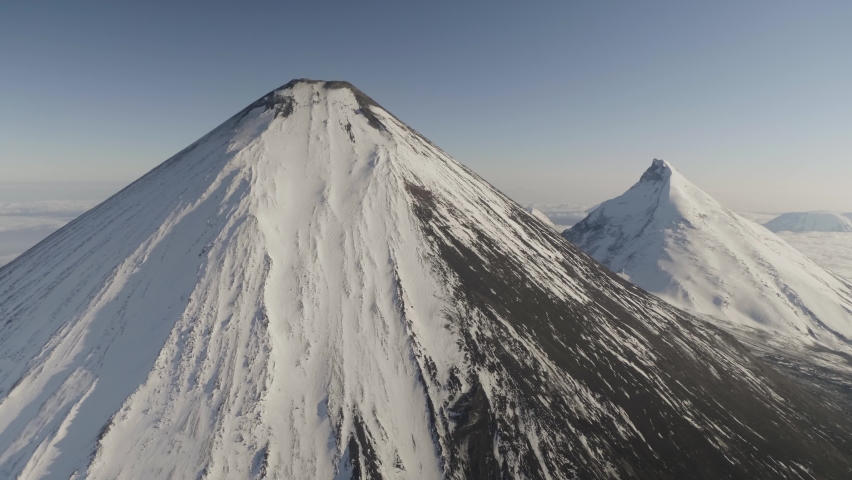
{"points": [[676, 241]]}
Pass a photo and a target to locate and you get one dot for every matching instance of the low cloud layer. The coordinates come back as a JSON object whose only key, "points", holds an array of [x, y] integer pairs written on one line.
{"points": [[24, 224]]}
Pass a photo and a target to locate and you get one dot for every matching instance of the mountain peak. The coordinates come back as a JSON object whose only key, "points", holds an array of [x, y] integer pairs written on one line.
{"points": [[362, 98], [660, 170], [328, 84], [282, 99], [674, 240]]}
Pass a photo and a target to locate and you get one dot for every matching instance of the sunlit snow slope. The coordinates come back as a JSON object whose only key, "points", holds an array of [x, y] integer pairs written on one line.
{"points": [[672, 239], [313, 290]]}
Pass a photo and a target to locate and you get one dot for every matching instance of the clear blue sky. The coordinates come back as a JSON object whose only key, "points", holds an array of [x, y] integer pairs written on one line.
{"points": [[557, 101]]}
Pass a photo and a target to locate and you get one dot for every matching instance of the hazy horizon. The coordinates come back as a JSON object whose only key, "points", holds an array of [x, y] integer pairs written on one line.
{"points": [[551, 104]]}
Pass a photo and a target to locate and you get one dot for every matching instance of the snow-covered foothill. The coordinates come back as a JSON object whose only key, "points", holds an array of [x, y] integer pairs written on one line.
{"points": [[810, 222]]}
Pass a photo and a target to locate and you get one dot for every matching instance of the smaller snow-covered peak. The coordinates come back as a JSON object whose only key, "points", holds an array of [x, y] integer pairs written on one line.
{"points": [[660, 170], [661, 193], [676, 241]]}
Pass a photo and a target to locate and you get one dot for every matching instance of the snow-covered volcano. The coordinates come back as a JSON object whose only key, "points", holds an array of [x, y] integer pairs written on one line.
{"points": [[670, 238], [810, 222], [314, 290]]}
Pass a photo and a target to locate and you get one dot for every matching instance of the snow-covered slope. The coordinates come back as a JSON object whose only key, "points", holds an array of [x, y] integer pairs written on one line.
{"points": [[672, 239], [809, 222], [313, 290]]}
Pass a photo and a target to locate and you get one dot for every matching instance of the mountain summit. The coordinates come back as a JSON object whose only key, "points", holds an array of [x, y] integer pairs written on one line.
{"points": [[314, 290], [672, 239], [659, 171]]}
